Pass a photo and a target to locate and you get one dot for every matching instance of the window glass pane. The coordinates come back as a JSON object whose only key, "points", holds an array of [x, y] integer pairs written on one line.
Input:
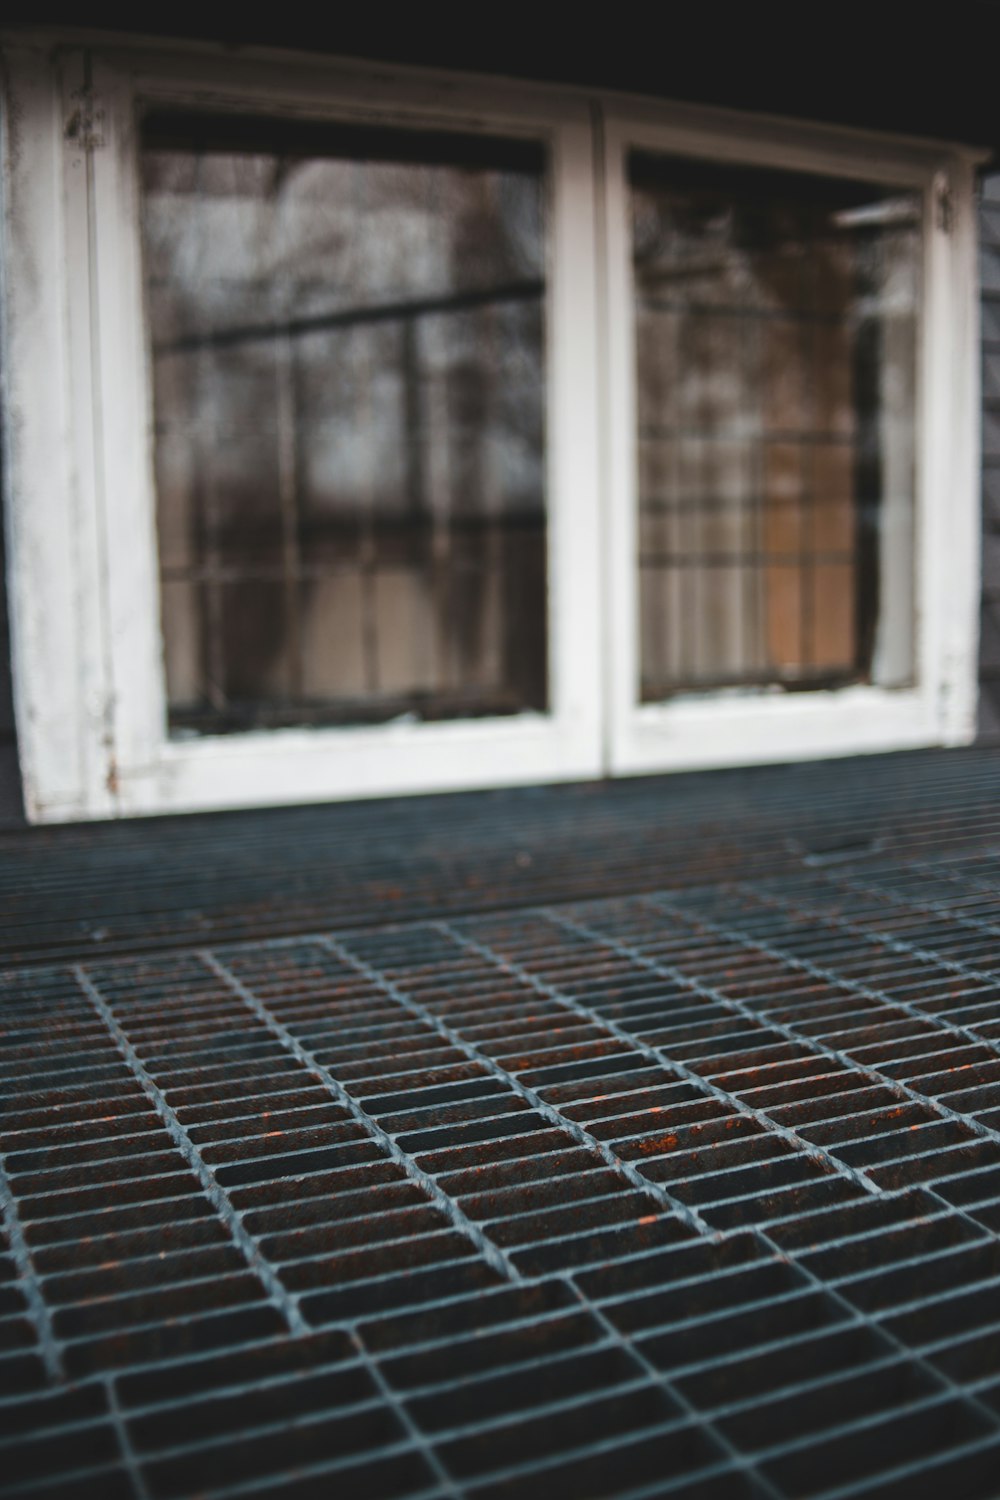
{"points": [[776, 323], [349, 390]]}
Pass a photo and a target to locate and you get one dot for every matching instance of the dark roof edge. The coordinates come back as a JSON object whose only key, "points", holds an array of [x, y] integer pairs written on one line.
{"points": [[879, 66]]}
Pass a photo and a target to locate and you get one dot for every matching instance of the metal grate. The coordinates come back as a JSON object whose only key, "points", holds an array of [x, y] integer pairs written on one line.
{"points": [[694, 1191], [114, 888]]}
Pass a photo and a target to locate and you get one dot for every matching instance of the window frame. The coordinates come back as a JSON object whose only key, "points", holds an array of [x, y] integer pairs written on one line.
{"points": [[125, 760], [740, 727], [86, 647]]}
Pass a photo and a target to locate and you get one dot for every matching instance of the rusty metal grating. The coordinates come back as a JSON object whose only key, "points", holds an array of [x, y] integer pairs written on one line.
{"points": [[142, 883], [694, 1191]]}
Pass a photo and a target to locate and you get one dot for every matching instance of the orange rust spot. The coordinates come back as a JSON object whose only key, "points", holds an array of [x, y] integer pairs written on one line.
{"points": [[649, 1219], [658, 1143]]}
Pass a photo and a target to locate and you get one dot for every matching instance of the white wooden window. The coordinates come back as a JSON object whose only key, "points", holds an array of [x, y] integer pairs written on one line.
{"points": [[706, 599], [918, 687]]}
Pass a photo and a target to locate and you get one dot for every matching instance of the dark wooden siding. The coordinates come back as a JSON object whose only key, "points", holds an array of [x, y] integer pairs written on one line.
{"points": [[989, 646], [11, 806], [915, 71]]}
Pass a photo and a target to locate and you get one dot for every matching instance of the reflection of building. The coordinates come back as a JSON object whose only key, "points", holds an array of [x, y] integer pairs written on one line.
{"points": [[776, 331], [412, 432], [347, 354]]}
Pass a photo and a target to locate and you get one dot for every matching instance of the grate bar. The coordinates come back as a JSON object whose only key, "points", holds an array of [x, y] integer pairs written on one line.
{"points": [[165, 883], [877, 938], [735, 1458], [943, 869], [491, 1253], [339, 1469], [897, 944], [216, 1194], [132, 1465], [659, 1054], [28, 1279], [902, 1089], [921, 1468], [583, 1137], [937, 1377], [898, 1087]]}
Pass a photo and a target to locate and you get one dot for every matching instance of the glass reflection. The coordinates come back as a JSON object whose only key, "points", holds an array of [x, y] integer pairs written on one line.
{"points": [[348, 370], [776, 324]]}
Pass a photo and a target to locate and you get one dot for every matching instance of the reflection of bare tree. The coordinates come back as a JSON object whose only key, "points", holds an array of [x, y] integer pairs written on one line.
{"points": [[775, 322], [350, 437]]}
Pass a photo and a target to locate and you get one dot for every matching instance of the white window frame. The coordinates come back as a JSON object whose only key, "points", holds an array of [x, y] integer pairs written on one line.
{"points": [[86, 646], [743, 727]]}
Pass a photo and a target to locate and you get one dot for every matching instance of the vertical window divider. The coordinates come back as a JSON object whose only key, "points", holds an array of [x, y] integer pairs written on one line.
{"points": [[608, 658]]}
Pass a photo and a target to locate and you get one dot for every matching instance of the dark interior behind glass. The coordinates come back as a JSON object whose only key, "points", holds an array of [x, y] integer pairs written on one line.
{"points": [[776, 317], [348, 351]]}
